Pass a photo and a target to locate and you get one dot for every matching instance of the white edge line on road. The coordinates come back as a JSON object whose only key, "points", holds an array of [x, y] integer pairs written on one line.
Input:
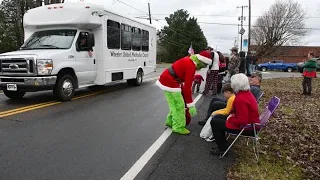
{"points": [[144, 159]]}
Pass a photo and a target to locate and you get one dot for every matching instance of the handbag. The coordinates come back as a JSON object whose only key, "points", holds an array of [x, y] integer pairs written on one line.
{"points": [[206, 131]]}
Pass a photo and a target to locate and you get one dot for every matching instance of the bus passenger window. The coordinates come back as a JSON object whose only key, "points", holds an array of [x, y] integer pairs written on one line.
{"points": [[145, 40], [136, 39], [125, 37], [113, 34]]}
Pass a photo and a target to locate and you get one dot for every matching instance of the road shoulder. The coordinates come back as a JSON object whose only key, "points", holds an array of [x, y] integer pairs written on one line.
{"points": [[187, 157]]}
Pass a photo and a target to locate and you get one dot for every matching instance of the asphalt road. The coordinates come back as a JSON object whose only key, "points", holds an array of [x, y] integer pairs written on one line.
{"points": [[99, 137]]}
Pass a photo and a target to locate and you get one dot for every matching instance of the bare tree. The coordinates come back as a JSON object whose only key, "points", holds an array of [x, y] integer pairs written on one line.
{"points": [[283, 23]]}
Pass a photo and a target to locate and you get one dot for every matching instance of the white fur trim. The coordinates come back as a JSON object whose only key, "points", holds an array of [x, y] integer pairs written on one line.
{"points": [[191, 104], [204, 59], [215, 64], [166, 88]]}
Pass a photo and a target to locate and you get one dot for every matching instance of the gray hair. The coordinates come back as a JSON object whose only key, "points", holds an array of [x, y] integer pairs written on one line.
{"points": [[240, 82]]}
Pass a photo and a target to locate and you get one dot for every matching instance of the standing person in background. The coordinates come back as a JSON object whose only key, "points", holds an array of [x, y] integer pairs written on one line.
{"points": [[234, 63], [252, 60], [212, 75], [197, 82], [253, 63], [248, 64], [309, 72], [227, 62]]}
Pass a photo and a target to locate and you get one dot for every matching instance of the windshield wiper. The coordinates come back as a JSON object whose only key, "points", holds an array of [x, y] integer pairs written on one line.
{"points": [[50, 46]]}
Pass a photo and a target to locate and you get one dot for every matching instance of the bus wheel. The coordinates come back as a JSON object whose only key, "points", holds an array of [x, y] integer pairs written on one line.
{"points": [[138, 80], [65, 88]]}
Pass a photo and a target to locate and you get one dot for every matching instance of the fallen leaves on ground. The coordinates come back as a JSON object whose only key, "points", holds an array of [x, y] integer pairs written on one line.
{"points": [[292, 138]]}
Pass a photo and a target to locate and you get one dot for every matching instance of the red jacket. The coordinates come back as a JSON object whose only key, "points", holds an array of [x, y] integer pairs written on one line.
{"points": [[245, 111], [198, 78], [185, 69]]}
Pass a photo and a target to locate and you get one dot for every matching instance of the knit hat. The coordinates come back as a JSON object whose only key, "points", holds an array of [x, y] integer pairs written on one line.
{"points": [[205, 57]]}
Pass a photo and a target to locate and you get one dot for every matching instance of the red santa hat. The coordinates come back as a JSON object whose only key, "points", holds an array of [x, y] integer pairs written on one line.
{"points": [[205, 57]]}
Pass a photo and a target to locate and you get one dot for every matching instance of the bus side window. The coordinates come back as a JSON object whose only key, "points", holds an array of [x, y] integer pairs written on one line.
{"points": [[125, 37], [82, 42], [145, 40], [113, 34], [136, 39]]}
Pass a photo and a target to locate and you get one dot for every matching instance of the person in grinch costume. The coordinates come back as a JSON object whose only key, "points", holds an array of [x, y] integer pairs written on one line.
{"points": [[171, 80]]}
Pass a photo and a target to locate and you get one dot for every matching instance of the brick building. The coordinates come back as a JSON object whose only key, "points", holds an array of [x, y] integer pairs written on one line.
{"points": [[290, 54]]}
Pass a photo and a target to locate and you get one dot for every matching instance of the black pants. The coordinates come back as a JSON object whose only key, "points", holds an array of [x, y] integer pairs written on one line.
{"points": [[216, 104], [194, 87], [307, 85], [218, 125]]}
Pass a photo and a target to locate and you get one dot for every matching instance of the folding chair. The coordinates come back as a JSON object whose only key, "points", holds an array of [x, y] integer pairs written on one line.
{"points": [[260, 96], [257, 127]]}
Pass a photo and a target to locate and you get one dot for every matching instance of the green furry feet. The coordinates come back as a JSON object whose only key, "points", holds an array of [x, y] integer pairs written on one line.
{"points": [[184, 131], [169, 125]]}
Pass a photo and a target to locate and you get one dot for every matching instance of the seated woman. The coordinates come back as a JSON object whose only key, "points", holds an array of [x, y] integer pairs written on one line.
{"points": [[220, 103], [245, 111]]}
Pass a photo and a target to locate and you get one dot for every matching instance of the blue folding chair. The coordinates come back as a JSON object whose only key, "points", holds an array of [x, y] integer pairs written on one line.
{"points": [[257, 127]]}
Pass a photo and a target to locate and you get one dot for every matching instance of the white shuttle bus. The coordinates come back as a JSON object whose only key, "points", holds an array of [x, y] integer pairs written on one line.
{"points": [[75, 45]]}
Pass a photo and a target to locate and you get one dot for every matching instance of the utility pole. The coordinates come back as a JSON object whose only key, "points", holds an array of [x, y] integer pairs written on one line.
{"points": [[238, 35], [149, 13], [249, 31], [241, 18]]}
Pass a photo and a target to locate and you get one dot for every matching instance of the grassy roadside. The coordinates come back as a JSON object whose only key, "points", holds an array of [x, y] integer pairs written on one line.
{"points": [[290, 144]]}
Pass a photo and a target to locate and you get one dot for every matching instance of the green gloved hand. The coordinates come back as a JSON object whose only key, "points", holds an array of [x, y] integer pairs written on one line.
{"points": [[192, 111]]}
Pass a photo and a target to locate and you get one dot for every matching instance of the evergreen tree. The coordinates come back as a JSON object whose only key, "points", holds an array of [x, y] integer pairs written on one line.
{"points": [[179, 34]]}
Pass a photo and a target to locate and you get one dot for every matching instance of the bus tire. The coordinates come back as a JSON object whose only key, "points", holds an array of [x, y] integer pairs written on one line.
{"points": [[138, 80], [65, 88]]}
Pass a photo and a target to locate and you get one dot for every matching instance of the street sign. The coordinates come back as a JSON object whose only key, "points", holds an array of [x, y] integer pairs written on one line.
{"points": [[242, 31]]}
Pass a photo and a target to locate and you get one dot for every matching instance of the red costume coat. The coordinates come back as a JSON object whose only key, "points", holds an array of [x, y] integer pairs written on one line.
{"points": [[185, 69]]}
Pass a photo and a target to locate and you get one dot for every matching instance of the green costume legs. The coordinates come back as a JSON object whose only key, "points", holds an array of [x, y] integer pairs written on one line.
{"points": [[176, 117]]}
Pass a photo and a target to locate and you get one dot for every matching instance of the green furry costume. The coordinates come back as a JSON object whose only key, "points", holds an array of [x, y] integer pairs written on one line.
{"points": [[177, 95]]}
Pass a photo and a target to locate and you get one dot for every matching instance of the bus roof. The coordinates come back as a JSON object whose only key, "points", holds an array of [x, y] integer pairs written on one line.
{"points": [[74, 14]]}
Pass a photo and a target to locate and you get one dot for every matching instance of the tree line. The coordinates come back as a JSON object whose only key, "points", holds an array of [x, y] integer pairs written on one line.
{"points": [[11, 21]]}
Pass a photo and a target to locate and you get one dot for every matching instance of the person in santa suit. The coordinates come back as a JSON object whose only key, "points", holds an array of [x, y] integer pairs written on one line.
{"points": [[171, 80]]}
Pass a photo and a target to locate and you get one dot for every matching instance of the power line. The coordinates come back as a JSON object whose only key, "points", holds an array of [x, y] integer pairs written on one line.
{"points": [[221, 15], [228, 24], [154, 18], [131, 6]]}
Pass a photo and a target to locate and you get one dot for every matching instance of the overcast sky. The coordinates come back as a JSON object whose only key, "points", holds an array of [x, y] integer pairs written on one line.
{"points": [[223, 11]]}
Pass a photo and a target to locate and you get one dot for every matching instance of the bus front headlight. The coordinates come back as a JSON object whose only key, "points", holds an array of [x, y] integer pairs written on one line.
{"points": [[44, 66]]}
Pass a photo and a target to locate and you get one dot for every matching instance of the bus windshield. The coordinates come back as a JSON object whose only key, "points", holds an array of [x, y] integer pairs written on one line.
{"points": [[50, 39]]}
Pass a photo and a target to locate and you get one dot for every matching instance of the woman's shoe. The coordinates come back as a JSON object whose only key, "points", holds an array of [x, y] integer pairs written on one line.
{"points": [[210, 139]]}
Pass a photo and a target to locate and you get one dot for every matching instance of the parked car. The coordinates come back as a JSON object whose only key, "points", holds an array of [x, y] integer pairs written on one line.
{"points": [[277, 65], [300, 65]]}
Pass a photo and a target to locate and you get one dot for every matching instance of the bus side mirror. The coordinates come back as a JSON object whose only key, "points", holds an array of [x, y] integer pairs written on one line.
{"points": [[91, 41]]}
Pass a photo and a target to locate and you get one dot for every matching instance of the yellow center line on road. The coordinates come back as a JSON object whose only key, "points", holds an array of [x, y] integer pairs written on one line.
{"points": [[46, 104], [51, 103], [25, 107]]}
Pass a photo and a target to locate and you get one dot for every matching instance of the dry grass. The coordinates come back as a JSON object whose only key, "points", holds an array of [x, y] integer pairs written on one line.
{"points": [[290, 144]]}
